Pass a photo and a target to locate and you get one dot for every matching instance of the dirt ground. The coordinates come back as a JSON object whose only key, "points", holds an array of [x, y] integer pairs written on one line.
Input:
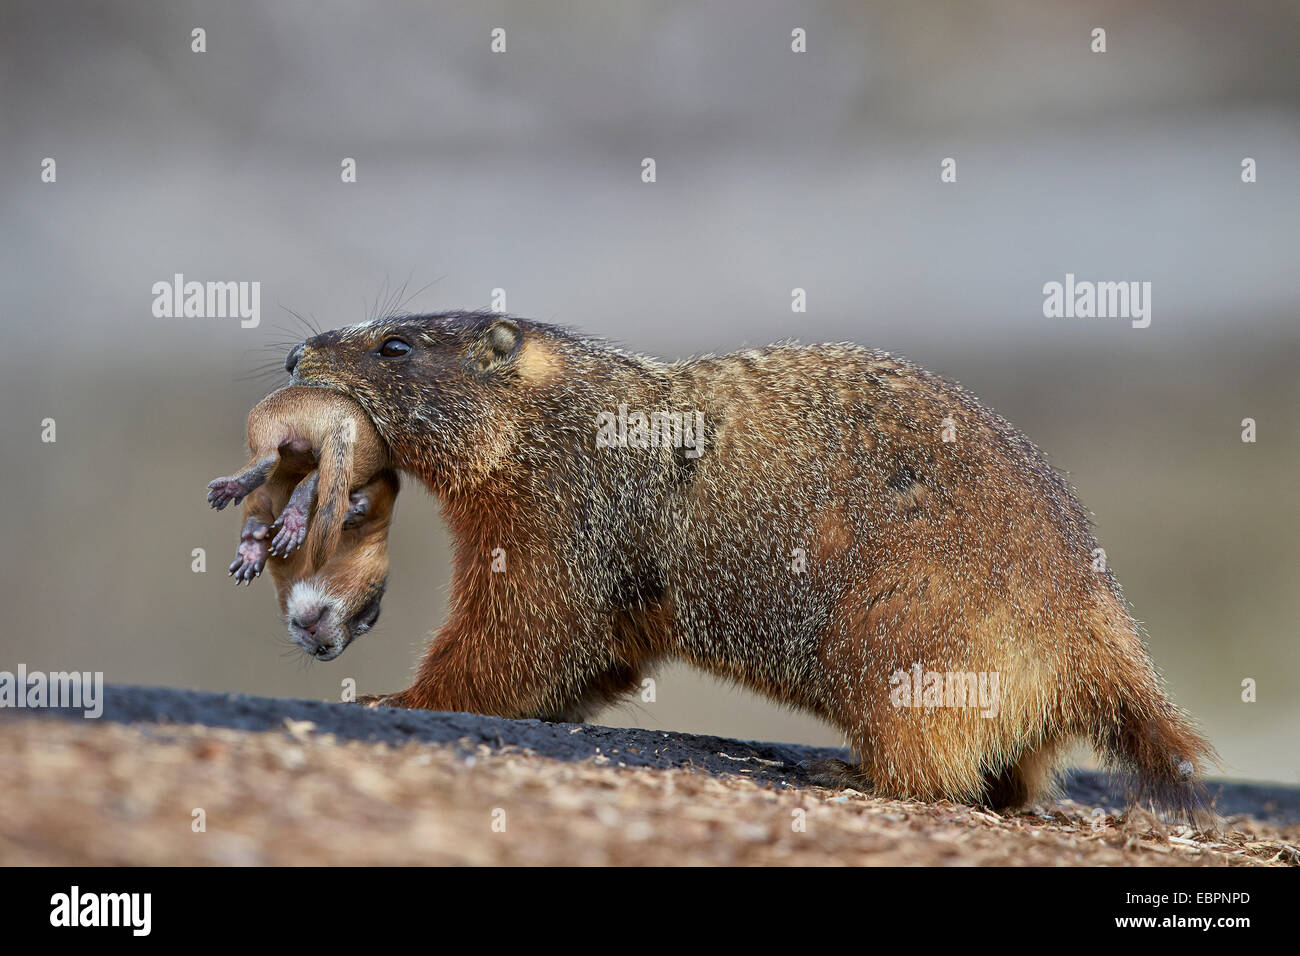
{"points": [[90, 793]]}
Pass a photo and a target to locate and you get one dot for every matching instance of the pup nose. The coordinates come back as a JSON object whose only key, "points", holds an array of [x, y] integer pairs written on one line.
{"points": [[291, 362], [307, 620]]}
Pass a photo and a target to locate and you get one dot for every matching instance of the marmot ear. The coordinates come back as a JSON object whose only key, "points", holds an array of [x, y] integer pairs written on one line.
{"points": [[500, 341]]}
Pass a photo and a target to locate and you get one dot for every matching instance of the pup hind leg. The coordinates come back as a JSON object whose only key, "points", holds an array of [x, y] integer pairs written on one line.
{"points": [[291, 526], [222, 491]]}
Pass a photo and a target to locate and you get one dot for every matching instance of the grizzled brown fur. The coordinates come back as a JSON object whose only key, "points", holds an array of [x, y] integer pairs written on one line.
{"points": [[970, 555]]}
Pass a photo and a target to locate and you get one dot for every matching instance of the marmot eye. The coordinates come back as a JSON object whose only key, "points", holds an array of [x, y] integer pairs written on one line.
{"points": [[394, 348]]}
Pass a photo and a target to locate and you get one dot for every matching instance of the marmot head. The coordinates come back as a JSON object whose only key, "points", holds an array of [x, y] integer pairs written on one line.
{"points": [[437, 387], [326, 610]]}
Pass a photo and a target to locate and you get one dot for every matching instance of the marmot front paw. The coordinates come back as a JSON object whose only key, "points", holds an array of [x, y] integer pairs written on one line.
{"points": [[382, 700]]}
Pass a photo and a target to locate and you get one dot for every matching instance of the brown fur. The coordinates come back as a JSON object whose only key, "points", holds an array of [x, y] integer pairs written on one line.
{"points": [[964, 556], [358, 565], [317, 460], [304, 434]]}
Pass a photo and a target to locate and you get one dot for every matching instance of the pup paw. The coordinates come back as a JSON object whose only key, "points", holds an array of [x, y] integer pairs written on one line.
{"points": [[250, 557], [290, 529], [224, 491]]}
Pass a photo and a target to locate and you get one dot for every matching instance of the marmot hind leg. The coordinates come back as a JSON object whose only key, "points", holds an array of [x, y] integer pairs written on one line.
{"points": [[1014, 786], [1030, 778], [836, 774]]}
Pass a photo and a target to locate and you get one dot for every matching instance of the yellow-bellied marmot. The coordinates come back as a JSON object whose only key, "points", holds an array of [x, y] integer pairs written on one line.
{"points": [[857, 536]]}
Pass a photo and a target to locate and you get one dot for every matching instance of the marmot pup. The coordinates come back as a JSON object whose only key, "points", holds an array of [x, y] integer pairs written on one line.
{"points": [[327, 444], [828, 525], [330, 591], [325, 608]]}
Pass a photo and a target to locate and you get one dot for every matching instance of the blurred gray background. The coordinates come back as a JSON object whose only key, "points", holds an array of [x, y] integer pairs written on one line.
{"points": [[775, 170]]}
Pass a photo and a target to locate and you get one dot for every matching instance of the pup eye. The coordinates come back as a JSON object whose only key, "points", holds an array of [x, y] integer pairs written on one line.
{"points": [[394, 348]]}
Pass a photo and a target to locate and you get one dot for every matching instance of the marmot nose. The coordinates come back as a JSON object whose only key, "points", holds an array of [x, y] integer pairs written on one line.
{"points": [[292, 361]]}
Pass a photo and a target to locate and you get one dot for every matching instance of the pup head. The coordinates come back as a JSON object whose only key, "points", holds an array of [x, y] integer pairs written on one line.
{"points": [[328, 609]]}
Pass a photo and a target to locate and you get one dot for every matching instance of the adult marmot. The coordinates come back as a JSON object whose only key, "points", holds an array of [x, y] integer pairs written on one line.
{"points": [[852, 536]]}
